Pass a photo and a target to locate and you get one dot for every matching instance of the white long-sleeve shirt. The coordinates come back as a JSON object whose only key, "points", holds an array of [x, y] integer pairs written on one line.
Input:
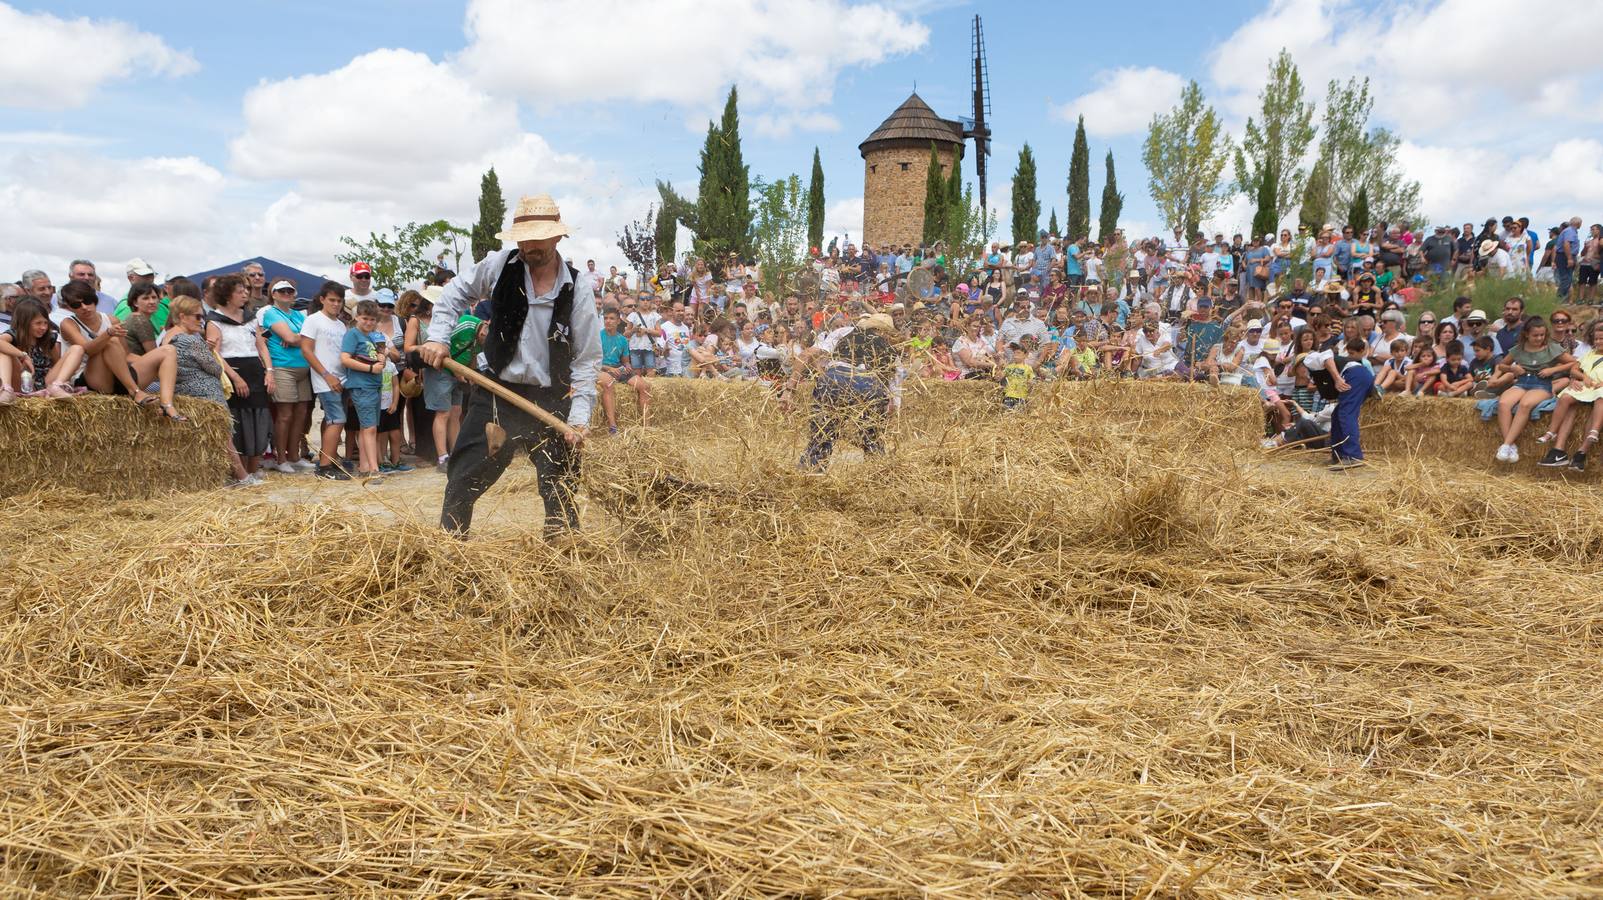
{"points": [[531, 360]]}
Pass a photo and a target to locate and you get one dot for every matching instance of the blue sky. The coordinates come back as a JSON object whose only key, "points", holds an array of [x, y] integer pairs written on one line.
{"points": [[194, 134]]}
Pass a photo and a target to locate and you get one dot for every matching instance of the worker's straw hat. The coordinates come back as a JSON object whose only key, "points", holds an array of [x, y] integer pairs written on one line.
{"points": [[878, 321], [536, 219]]}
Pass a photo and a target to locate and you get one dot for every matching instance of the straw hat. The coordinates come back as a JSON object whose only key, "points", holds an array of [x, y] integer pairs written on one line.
{"points": [[1488, 247], [536, 219], [877, 321]]}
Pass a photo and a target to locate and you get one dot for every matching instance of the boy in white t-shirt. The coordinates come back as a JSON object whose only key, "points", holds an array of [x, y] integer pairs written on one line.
{"points": [[641, 326], [674, 334], [321, 336]]}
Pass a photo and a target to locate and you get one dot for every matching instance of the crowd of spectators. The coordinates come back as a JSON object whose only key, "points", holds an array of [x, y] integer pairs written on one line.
{"points": [[1272, 313]]}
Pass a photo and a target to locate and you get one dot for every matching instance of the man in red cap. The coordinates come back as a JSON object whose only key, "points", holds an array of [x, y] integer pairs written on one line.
{"points": [[361, 284]]}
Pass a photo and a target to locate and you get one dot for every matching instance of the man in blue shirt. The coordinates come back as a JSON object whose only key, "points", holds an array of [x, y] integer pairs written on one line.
{"points": [[1565, 254], [1344, 253], [1043, 259], [1072, 273]]}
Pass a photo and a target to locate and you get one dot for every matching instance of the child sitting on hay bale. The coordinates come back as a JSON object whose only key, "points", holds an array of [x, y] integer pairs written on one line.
{"points": [[28, 346]]}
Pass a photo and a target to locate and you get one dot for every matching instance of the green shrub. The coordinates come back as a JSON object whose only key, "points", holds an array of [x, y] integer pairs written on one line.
{"points": [[1490, 294]]}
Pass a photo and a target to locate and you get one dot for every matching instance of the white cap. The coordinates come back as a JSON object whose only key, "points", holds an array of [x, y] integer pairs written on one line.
{"points": [[1255, 325], [281, 284], [137, 266]]}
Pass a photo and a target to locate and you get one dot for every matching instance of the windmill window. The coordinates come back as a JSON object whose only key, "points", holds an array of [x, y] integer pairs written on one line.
{"points": [[873, 168], [905, 166]]}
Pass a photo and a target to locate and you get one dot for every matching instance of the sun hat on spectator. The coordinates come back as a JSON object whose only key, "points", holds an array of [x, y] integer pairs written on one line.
{"points": [[1255, 325], [280, 285], [1488, 247], [1477, 315], [433, 293], [137, 266], [1333, 286], [962, 288], [1270, 345]]}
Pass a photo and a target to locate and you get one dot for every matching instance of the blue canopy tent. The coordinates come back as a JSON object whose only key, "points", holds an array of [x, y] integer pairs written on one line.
{"points": [[306, 283]]}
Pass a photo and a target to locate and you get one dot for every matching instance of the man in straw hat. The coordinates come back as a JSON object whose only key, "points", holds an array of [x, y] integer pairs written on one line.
{"points": [[855, 381], [543, 341]]}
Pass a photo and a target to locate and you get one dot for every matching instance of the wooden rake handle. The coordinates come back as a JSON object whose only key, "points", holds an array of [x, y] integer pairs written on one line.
{"points": [[496, 388]]}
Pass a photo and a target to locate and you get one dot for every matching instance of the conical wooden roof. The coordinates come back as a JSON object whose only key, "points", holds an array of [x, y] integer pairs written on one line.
{"points": [[913, 123]]}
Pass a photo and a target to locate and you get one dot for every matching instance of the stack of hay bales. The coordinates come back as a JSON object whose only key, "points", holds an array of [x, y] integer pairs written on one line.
{"points": [[108, 447]]}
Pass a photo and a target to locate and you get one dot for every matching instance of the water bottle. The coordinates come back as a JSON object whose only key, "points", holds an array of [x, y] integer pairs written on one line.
{"points": [[27, 382]]}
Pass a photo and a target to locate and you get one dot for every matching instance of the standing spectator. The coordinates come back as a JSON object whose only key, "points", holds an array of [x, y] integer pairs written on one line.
{"points": [[363, 356], [36, 284], [1591, 264], [643, 326], [1257, 262], [139, 272], [83, 270], [255, 286], [292, 378], [391, 415], [675, 341], [232, 331], [443, 394], [322, 334], [200, 371], [1566, 253]]}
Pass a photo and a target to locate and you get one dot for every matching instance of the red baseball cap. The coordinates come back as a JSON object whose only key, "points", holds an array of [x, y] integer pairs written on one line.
{"points": [[361, 268]]}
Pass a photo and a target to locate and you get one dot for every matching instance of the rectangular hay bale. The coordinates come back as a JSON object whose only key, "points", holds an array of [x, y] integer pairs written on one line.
{"points": [[109, 447]]}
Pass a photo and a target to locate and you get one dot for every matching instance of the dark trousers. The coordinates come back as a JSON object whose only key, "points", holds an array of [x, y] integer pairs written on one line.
{"points": [[473, 470], [840, 395]]}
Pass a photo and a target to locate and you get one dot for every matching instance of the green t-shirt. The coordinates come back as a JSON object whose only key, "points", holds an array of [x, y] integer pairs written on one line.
{"points": [[158, 319], [465, 339], [1535, 360]]}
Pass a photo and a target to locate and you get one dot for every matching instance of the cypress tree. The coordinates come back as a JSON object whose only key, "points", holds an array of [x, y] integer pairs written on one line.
{"points": [[1026, 205], [815, 203], [1264, 221], [723, 205], [1079, 186], [934, 199], [1358, 215], [492, 216], [1052, 226], [1315, 211], [1112, 204]]}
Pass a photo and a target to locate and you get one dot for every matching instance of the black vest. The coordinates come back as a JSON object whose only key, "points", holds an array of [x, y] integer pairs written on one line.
{"points": [[509, 310]]}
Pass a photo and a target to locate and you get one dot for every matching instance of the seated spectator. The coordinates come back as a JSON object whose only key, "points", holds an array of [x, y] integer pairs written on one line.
{"points": [[1534, 362], [28, 345], [95, 354], [1224, 361], [616, 369], [1455, 379], [1419, 376], [1585, 389], [1156, 349], [975, 356], [143, 302], [1390, 375]]}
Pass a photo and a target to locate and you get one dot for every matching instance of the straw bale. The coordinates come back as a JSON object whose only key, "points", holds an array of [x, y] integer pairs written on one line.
{"points": [[1099, 646], [109, 447]]}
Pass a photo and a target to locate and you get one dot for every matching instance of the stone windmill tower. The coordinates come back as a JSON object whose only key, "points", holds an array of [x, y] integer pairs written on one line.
{"points": [[896, 160]]}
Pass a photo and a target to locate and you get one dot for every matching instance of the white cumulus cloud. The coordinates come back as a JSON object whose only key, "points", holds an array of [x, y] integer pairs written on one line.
{"points": [[1124, 100], [49, 61], [785, 54]]}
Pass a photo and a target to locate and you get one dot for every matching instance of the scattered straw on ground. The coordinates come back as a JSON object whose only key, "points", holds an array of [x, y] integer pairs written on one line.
{"points": [[1063, 651]]}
